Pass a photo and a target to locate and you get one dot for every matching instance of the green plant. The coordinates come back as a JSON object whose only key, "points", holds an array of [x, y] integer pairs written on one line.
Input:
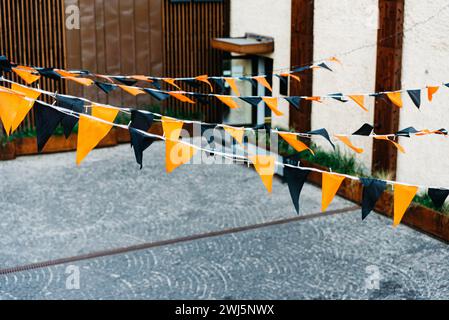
{"points": [[424, 200], [343, 163]]}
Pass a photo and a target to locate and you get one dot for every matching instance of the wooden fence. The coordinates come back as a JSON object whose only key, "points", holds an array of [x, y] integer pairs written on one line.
{"points": [[151, 37], [33, 33]]}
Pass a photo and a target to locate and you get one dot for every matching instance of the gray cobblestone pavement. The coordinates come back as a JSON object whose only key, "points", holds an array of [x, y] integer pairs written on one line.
{"points": [[51, 209]]}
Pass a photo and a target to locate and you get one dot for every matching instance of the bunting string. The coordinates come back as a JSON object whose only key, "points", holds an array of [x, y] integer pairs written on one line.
{"points": [[92, 128], [366, 130], [396, 97], [33, 73]]}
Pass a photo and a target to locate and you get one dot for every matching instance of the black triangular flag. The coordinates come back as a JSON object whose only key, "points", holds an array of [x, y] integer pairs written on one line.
{"points": [[406, 132], [161, 96], [372, 191], [415, 95], [295, 179], [300, 69], [254, 101], [325, 66], [283, 79], [106, 87], [338, 97], [5, 65], [220, 83], [141, 120], [49, 73], [438, 196], [156, 84], [193, 83], [365, 130], [140, 143], [250, 80], [447, 84], [69, 122], [209, 128], [46, 120], [125, 81], [201, 99], [322, 132], [443, 131], [294, 101]]}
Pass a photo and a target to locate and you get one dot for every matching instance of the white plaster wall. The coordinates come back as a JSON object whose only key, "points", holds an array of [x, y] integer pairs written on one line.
{"points": [[269, 18], [341, 26], [426, 62]]}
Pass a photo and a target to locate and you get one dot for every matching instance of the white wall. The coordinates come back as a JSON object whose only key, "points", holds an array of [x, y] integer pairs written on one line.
{"points": [[426, 62], [339, 27], [268, 18]]}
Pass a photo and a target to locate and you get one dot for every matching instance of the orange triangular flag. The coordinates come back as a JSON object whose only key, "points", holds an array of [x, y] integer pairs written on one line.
{"points": [[172, 82], [348, 142], [84, 81], [403, 196], [66, 74], [272, 103], [177, 154], [92, 131], [25, 106], [205, 79], [142, 78], [292, 140], [265, 166], [227, 100], [396, 98], [236, 133], [397, 145], [10, 103], [263, 81], [334, 59], [297, 78], [172, 128], [132, 90], [431, 91], [360, 100], [26, 75], [181, 97], [330, 185], [233, 85]]}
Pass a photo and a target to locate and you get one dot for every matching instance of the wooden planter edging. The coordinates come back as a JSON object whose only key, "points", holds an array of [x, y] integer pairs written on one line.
{"points": [[417, 216], [28, 146]]}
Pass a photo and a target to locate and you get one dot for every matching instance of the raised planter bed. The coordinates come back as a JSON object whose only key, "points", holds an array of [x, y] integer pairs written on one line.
{"points": [[7, 151], [417, 216]]}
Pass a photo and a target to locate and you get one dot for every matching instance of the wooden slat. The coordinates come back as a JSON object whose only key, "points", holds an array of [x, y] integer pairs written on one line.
{"points": [[32, 34], [388, 78], [187, 31], [302, 54]]}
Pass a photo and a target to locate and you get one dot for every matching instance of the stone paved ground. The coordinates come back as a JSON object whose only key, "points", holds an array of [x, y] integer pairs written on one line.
{"points": [[52, 209]]}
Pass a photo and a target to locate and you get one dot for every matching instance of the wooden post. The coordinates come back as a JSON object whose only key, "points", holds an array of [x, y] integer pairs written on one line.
{"points": [[301, 55], [388, 77]]}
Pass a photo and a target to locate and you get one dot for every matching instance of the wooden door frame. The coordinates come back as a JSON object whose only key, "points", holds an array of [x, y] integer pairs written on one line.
{"points": [[301, 55], [388, 78]]}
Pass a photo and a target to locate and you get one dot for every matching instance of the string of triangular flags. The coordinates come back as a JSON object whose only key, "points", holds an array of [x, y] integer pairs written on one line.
{"points": [[95, 126], [292, 138], [31, 74], [396, 97]]}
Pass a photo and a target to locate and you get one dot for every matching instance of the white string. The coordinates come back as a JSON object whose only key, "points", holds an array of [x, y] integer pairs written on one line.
{"points": [[128, 111], [215, 152]]}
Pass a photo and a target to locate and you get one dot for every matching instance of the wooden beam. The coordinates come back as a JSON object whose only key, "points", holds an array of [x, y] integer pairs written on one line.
{"points": [[388, 77], [302, 54]]}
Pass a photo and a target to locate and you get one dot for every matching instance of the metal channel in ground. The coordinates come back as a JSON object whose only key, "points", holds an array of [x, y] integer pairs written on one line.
{"points": [[111, 252]]}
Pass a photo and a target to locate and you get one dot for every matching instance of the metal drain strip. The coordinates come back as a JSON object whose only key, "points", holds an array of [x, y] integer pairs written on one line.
{"points": [[111, 252]]}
